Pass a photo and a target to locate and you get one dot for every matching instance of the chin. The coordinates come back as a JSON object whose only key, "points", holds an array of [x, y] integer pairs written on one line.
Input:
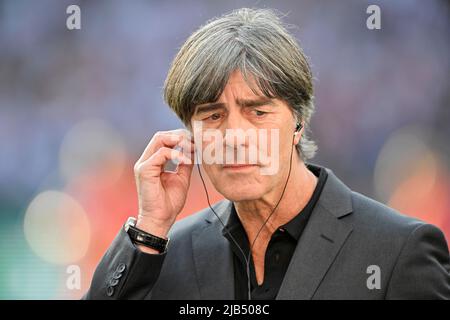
{"points": [[236, 191]]}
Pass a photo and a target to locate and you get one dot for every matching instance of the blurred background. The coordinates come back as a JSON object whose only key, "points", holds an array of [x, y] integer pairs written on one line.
{"points": [[77, 108]]}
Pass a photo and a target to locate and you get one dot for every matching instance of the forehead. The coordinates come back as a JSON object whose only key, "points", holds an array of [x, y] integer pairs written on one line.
{"points": [[244, 91], [247, 87]]}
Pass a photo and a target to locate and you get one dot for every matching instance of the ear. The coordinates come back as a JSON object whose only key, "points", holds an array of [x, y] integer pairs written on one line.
{"points": [[298, 132]]}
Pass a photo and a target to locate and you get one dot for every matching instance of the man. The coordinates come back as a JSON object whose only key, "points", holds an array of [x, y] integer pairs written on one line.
{"points": [[295, 233]]}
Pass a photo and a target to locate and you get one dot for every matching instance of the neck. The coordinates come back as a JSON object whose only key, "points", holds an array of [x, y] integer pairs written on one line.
{"points": [[254, 213]]}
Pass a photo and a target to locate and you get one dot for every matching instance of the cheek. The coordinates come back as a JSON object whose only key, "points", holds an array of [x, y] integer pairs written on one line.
{"points": [[287, 141], [213, 172], [279, 146]]}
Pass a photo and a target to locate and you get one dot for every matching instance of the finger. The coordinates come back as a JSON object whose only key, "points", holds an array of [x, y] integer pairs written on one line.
{"points": [[159, 158], [163, 139], [187, 148], [152, 167]]}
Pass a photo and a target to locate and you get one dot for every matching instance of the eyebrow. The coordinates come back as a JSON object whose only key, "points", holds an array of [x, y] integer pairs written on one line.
{"points": [[255, 102], [245, 103], [209, 107]]}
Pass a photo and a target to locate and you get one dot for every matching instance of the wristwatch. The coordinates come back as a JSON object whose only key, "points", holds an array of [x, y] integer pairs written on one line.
{"points": [[144, 238]]}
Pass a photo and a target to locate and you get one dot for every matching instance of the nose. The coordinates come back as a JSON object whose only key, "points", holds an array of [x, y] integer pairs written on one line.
{"points": [[235, 130]]}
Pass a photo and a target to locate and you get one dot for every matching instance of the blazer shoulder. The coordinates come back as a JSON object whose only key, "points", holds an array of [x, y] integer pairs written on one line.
{"points": [[392, 234], [380, 218]]}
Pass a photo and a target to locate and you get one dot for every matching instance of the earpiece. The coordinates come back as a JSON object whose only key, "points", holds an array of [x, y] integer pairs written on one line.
{"points": [[298, 127]]}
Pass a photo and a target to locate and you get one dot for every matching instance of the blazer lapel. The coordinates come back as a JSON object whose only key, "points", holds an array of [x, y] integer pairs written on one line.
{"points": [[213, 257], [320, 243]]}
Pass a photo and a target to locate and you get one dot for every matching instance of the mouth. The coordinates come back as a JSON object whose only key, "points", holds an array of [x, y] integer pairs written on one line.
{"points": [[239, 167]]}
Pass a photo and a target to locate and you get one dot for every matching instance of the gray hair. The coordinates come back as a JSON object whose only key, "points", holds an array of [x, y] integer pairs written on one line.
{"points": [[254, 41]]}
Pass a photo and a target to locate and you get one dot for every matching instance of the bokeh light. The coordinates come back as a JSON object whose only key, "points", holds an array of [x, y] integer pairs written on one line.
{"points": [[410, 177], [92, 147], [56, 228]]}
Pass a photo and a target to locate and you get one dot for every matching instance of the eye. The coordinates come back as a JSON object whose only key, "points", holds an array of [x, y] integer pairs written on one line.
{"points": [[214, 116], [260, 113]]}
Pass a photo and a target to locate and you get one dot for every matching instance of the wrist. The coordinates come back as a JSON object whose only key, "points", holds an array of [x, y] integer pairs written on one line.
{"points": [[152, 226], [145, 240]]}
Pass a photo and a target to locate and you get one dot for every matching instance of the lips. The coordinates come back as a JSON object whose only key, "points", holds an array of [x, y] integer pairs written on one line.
{"points": [[239, 166]]}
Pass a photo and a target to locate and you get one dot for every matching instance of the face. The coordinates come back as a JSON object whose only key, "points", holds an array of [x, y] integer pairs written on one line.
{"points": [[251, 135]]}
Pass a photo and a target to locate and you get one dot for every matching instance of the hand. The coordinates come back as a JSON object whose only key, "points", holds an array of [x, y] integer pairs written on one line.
{"points": [[162, 195]]}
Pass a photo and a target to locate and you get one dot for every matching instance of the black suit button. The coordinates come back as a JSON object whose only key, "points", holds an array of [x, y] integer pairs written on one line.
{"points": [[121, 268], [109, 291], [117, 275], [113, 282]]}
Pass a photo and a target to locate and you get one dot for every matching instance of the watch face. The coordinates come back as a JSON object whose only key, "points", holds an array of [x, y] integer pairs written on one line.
{"points": [[167, 244], [131, 221]]}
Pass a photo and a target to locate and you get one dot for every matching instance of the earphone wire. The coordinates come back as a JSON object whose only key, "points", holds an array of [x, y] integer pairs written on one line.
{"points": [[247, 257]]}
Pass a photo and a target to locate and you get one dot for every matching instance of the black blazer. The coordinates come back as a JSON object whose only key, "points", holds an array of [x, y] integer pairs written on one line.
{"points": [[349, 241]]}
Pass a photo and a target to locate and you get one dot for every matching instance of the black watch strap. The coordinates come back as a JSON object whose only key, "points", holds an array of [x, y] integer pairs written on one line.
{"points": [[144, 238]]}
